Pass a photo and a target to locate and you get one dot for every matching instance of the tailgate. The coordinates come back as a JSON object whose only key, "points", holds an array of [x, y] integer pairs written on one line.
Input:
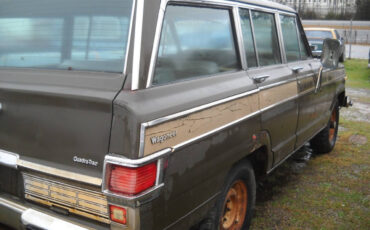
{"points": [[57, 121]]}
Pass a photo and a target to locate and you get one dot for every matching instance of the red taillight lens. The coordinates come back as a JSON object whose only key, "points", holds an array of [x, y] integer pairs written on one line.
{"points": [[118, 214], [132, 181]]}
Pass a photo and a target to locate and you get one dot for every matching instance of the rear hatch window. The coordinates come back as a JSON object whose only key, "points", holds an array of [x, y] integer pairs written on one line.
{"points": [[64, 34]]}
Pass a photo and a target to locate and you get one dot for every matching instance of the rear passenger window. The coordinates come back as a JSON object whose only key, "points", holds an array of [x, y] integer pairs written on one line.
{"points": [[266, 38], [290, 37], [195, 42], [250, 52]]}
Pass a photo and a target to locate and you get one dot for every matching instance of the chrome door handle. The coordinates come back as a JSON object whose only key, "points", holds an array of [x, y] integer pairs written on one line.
{"points": [[260, 79], [296, 69], [1, 107]]}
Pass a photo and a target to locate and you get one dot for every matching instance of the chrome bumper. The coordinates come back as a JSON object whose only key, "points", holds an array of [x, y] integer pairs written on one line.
{"points": [[19, 216]]}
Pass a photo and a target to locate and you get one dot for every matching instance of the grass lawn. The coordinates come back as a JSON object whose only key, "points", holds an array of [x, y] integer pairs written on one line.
{"points": [[358, 73], [331, 191]]}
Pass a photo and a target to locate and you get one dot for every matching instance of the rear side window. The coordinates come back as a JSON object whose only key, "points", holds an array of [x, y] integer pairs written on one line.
{"points": [[266, 38], [195, 41], [290, 37], [250, 51]]}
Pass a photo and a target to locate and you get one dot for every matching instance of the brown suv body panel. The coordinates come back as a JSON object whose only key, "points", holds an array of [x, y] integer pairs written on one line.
{"points": [[50, 116]]}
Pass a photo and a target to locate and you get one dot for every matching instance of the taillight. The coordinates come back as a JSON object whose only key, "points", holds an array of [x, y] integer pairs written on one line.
{"points": [[132, 181]]}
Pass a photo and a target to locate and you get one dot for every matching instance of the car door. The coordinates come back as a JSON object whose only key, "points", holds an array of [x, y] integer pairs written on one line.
{"points": [[304, 69], [277, 84], [312, 105]]}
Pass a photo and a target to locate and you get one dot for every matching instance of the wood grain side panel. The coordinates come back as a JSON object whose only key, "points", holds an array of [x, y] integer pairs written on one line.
{"points": [[277, 94], [199, 123]]}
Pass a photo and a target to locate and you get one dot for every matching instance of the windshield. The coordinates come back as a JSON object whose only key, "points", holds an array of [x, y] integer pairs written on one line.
{"points": [[318, 34], [64, 34]]}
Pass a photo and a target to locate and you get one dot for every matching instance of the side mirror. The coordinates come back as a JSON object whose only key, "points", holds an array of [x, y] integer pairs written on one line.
{"points": [[330, 53]]}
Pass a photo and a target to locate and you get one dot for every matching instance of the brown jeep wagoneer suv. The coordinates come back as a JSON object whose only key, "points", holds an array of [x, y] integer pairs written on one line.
{"points": [[155, 114]]}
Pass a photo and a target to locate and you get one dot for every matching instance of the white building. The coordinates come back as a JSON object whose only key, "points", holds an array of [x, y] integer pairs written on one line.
{"points": [[322, 7]]}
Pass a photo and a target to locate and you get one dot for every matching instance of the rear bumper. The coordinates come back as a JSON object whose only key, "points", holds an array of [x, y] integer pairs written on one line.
{"points": [[19, 216]]}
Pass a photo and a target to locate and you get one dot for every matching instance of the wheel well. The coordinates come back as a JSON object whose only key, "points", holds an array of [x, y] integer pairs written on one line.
{"points": [[342, 99], [259, 161]]}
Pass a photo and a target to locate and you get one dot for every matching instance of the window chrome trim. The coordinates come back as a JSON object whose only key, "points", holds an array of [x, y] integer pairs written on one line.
{"points": [[137, 44], [254, 38], [280, 38], [157, 38], [298, 37], [160, 19], [129, 37], [238, 38]]}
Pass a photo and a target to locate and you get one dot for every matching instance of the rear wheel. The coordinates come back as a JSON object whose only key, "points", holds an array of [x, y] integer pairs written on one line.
{"points": [[324, 141], [234, 208]]}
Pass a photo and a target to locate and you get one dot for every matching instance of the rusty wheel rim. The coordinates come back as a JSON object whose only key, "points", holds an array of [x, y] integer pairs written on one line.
{"points": [[333, 125], [235, 207]]}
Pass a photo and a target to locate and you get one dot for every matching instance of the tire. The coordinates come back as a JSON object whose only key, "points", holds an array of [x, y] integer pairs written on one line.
{"points": [[324, 141], [234, 208], [342, 58]]}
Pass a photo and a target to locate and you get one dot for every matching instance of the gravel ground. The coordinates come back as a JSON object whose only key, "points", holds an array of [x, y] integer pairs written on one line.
{"points": [[360, 111]]}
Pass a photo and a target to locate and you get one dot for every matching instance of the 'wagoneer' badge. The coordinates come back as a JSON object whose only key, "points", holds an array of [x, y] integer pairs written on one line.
{"points": [[163, 138]]}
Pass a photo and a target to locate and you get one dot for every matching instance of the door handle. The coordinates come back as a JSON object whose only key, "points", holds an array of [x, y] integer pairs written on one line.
{"points": [[260, 79], [296, 69], [319, 77]]}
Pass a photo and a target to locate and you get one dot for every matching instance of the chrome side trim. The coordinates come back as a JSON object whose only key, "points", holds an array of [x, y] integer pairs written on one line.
{"points": [[60, 173], [239, 37], [144, 160], [44, 221], [184, 113], [137, 44], [277, 84], [215, 130], [279, 103], [9, 159], [134, 163]]}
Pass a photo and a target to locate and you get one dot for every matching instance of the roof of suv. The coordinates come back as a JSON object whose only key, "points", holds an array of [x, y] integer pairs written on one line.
{"points": [[269, 4]]}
